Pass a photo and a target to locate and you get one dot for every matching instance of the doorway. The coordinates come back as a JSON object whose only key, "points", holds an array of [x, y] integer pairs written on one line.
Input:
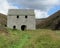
{"points": [[23, 27]]}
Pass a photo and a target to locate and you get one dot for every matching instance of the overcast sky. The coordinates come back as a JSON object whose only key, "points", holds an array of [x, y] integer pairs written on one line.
{"points": [[43, 8]]}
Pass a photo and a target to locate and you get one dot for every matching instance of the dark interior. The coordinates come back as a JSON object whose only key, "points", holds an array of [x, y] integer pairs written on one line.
{"points": [[14, 27], [23, 27]]}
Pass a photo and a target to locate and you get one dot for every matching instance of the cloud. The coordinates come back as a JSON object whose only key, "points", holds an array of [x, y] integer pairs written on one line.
{"points": [[41, 6], [35, 4], [40, 14], [4, 6]]}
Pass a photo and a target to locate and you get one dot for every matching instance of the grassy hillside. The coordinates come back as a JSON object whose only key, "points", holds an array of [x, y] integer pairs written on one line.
{"points": [[3, 19], [51, 21], [41, 38], [40, 22]]}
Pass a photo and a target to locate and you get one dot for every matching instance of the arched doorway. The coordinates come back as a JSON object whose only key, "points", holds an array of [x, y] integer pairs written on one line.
{"points": [[23, 27]]}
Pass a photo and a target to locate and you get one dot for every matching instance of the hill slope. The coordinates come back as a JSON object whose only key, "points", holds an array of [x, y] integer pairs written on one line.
{"points": [[51, 21], [3, 19]]}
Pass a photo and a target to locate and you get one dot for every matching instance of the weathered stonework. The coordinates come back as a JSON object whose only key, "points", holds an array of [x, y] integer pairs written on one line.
{"points": [[29, 21]]}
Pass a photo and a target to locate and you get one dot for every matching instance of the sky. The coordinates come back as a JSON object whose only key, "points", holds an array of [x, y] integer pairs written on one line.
{"points": [[42, 8]]}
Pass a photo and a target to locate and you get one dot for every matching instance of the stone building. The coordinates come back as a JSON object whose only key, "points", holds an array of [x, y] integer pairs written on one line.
{"points": [[22, 19]]}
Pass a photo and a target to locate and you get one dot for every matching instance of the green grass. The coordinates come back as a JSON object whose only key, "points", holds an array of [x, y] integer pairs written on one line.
{"points": [[41, 38]]}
